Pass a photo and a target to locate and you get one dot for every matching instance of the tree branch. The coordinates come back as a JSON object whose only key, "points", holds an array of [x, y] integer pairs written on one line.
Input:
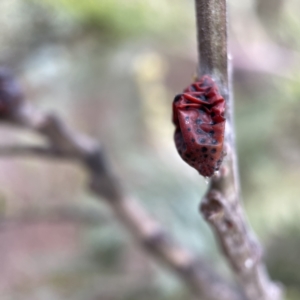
{"points": [[66, 143], [56, 214], [32, 151], [221, 206]]}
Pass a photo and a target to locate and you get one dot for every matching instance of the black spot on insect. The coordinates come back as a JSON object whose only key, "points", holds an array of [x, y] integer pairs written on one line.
{"points": [[206, 156], [194, 159], [188, 155], [177, 97], [202, 140], [204, 149], [202, 97], [187, 107], [213, 150], [192, 88], [189, 129], [193, 140], [198, 121], [213, 114], [212, 132]]}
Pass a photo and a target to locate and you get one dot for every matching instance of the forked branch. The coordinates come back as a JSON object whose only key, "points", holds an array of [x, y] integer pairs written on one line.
{"points": [[64, 143]]}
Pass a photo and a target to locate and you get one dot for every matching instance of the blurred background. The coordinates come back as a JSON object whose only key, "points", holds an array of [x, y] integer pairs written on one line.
{"points": [[111, 69]]}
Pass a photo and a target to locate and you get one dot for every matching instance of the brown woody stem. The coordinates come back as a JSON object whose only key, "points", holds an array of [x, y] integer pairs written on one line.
{"points": [[221, 206]]}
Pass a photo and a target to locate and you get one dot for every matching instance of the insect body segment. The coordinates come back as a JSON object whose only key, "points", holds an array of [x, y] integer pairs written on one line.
{"points": [[198, 114]]}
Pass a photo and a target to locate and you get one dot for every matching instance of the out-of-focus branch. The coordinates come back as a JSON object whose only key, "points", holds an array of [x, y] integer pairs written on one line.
{"points": [[146, 230], [34, 151], [57, 213], [64, 142], [221, 206]]}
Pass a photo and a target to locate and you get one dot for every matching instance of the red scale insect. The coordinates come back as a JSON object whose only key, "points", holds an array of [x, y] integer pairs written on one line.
{"points": [[198, 114]]}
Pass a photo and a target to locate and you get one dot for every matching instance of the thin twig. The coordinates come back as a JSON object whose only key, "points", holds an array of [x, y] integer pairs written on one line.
{"points": [[221, 206], [54, 214], [32, 151], [199, 277]]}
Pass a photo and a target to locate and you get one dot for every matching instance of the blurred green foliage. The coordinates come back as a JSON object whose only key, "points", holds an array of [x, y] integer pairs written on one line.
{"points": [[123, 18]]}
